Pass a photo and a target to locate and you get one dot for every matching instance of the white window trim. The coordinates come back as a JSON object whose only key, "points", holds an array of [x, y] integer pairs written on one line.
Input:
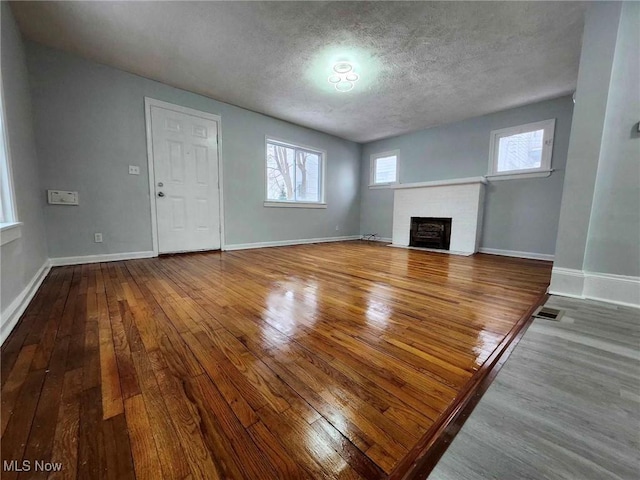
{"points": [[323, 176], [372, 169], [547, 151], [286, 204], [515, 176], [10, 229]]}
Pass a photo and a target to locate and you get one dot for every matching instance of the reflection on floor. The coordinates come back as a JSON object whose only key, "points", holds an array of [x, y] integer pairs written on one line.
{"points": [[565, 406]]}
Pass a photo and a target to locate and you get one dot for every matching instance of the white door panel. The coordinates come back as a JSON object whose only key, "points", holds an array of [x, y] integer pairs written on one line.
{"points": [[185, 163]]}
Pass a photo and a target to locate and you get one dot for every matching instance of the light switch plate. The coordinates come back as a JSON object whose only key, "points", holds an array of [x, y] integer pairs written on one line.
{"points": [[61, 197], [134, 170]]}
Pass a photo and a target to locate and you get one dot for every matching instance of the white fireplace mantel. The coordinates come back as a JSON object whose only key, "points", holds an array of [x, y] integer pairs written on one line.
{"points": [[461, 199], [441, 183]]}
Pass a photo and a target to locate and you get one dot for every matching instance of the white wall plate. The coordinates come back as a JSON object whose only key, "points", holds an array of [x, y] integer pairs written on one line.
{"points": [[60, 197]]}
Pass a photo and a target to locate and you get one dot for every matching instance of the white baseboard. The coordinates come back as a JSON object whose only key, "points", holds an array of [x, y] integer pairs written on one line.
{"points": [[433, 250], [283, 243], [10, 315], [605, 287], [517, 254], [107, 257], [620, 289], [567, 282]]}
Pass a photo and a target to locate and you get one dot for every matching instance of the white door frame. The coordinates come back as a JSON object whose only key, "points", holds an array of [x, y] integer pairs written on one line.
{"points": [[152, 102]]}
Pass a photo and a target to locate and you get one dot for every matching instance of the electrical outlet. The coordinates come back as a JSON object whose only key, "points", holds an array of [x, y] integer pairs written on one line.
{"points": [[134, 170], [337, 227], [97, 237]]}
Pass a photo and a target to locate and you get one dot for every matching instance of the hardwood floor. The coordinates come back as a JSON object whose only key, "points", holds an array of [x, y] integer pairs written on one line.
{"points": [[566, 404], [313, 361]]}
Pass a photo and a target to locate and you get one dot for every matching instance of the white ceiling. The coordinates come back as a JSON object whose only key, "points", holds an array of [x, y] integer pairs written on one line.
{"points": [[421, 63]]}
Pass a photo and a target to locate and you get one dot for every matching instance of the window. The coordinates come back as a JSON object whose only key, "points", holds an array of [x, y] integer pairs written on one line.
{"points": [[9, 226], [384, 168], [295, 175], [522, 151]]}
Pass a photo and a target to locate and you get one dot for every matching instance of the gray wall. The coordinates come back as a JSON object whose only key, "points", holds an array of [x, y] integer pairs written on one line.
{"points": [[598, 44], [90, 126], [520, 215], [613, 244], [21, 258]]}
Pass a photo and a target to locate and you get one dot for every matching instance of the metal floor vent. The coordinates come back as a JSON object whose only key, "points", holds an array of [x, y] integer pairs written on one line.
{"points": [[549, 313]]}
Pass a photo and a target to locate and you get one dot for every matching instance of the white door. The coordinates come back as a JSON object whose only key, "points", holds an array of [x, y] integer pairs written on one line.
{"points": [[185, 164]]}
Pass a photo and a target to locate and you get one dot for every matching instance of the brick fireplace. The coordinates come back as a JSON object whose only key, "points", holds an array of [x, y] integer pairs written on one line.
{"points": [[425, 214]]}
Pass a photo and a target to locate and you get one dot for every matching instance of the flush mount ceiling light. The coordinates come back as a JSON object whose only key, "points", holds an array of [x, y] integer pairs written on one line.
{"points": [[343, 77]]}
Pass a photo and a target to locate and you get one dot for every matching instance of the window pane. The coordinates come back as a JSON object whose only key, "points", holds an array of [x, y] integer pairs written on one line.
{"points": [[520, 152], [280, 172], [385, 169], [308, 177]]}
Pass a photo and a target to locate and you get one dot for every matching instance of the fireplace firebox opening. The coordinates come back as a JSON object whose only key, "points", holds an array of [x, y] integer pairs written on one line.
{"points": [[430, 232]]}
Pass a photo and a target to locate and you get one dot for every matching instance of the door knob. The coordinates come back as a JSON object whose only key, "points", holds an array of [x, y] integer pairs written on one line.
{"points": [[160, 194]]}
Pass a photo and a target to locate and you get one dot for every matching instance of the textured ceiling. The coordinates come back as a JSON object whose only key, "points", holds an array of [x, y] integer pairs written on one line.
{"points": [[421, 63]]}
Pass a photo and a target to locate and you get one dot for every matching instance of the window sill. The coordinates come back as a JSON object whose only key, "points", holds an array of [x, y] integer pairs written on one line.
{"points": [[382, 185], [514, 176], [295, 204], [10, 231]]}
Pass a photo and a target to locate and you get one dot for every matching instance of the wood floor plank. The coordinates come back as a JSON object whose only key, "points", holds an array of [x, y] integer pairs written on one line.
{"points": [[117, 449], [186, 420], [218, 419], [282, 461], [109, 375], [48, 339], [15, 380], [170, 452], [362, 464], [305, 445], [229, 391], [14, 438], [122, 351], [91, 454], [143, 446], [70, 306], [41, 436], [65, 442], [310, 361], [13, 344], [41, 316]]}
